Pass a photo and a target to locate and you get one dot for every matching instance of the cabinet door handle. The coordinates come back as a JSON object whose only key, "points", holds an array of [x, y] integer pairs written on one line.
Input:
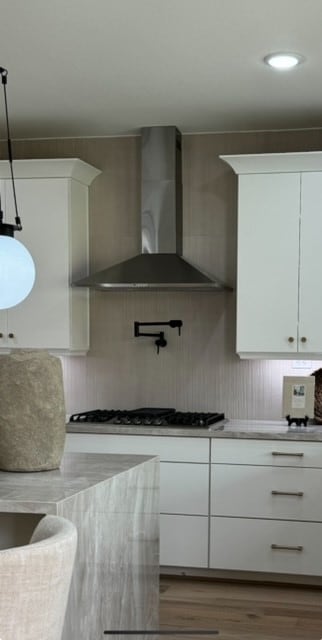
{"points": [[300, 494], [287, 453], [286, 548], [1, 335], [290, 339], [303, 339], [11, 335]]}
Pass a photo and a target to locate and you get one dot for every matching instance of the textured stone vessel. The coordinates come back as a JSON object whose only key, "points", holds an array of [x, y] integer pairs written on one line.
{"points": [[32, 411]]}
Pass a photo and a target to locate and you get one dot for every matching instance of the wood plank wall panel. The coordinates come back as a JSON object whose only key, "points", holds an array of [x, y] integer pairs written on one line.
{"points": [[199, 370]]}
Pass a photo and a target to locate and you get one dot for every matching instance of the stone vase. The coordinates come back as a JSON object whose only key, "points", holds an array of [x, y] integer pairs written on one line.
{"points": [[32, 411]]}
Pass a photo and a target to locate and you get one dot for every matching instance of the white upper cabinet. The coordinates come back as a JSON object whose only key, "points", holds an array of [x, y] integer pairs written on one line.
{"points": [[310, 285], [52, 197], [279, 305]]}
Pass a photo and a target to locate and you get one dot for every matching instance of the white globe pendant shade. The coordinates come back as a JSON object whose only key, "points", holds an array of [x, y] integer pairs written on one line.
{"points": [[17, 272]]}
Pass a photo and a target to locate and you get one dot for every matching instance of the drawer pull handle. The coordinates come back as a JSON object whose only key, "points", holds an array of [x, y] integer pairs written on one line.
{"points": [[11, 335], [286, 548], [287, 493], [287, 453]]}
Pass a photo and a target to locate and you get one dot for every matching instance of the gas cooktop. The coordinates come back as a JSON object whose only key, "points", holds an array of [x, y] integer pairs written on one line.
{"points": [[150, 416]]}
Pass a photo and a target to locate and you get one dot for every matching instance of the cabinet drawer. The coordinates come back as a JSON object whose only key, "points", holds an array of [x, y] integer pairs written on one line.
{"points": [[184, 488], [184, 541], [245, 545], [168, 448], [246, 491], [267, 452]]}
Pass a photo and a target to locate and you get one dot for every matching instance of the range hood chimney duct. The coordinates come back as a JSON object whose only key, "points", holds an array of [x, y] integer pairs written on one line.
{"points": [[160, 266]]}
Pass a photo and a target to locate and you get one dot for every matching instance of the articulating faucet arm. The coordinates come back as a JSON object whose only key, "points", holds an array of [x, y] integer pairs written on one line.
{"points": [[160, 339]]}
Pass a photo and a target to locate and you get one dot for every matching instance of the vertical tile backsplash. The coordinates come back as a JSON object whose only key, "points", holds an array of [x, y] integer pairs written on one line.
{"points": [[198, 370]]}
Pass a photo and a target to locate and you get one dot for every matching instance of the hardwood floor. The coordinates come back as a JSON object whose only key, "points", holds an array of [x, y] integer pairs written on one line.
{"points": [[240, 611]]}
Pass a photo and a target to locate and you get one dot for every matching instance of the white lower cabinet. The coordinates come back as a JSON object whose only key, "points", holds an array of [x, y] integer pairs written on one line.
{"points": [[271, 546], [171, 449], [184, 541], [285, 493], [251, 506], [184, 489], [266, 513], [272, 453]]}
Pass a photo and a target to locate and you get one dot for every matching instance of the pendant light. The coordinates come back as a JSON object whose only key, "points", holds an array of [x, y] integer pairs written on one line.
{"points": [[17, 269]]}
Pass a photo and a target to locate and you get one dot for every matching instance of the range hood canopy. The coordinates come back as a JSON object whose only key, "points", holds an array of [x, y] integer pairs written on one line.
{"points": [[160, 266]]}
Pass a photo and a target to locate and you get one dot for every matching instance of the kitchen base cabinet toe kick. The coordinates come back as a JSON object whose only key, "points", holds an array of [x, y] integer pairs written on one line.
{"points": [[233, 508]]}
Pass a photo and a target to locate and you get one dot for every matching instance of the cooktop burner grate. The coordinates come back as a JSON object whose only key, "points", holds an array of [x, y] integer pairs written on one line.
{"points": [[150, 416]]}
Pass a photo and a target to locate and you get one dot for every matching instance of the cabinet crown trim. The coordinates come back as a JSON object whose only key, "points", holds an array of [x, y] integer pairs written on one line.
{"points": [[51, 168], [274, 162]]}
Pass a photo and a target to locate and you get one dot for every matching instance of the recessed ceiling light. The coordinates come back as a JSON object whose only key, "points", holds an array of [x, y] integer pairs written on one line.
{"points": [[283, 61]]}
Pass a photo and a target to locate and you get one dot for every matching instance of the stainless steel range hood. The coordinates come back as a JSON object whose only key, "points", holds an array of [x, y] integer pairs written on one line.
{"points": [[160, 265]]}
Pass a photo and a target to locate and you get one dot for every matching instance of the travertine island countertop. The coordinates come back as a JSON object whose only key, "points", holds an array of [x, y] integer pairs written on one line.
{"points": [[111, 499], [253, 429]]}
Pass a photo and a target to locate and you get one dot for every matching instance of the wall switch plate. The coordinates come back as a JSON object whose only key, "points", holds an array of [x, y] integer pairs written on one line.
{"points": [[302, 364]]}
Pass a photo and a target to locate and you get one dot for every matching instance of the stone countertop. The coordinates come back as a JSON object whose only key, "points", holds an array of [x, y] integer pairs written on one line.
{"points": [[252, 429], [42, 491]]}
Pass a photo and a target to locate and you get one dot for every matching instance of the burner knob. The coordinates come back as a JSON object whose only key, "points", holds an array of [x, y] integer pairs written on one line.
{"points": [[158, 422], [137, 420], [147, 421], [127, 420]]}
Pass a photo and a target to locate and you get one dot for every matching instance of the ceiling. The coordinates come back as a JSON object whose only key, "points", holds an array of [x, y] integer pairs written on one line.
{"points": [[109, 67]]}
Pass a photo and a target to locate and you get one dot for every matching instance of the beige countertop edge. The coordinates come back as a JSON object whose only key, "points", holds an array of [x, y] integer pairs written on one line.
{"points": [[312, 434]]}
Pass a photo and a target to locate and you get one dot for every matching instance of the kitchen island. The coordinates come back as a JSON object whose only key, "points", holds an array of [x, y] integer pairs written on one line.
{"points": [[113, 501]]}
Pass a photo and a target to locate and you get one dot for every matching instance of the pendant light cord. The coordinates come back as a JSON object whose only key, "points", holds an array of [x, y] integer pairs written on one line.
{"points": [[4, 75]]}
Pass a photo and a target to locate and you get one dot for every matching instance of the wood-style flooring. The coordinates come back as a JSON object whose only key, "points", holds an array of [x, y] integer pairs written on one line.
{"points": [[240, 611]]}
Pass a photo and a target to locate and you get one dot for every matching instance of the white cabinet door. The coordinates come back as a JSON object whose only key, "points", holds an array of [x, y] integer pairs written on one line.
{"points": [[184, 488], [184, 541], [276, 453], [249, 491], [170, 449], [268, 257], [246, 545], [310, 302], [3, 328], [41, 320]]}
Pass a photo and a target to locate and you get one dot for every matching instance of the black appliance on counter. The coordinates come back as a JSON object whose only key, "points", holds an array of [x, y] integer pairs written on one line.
{"points": [[150, 416]]}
